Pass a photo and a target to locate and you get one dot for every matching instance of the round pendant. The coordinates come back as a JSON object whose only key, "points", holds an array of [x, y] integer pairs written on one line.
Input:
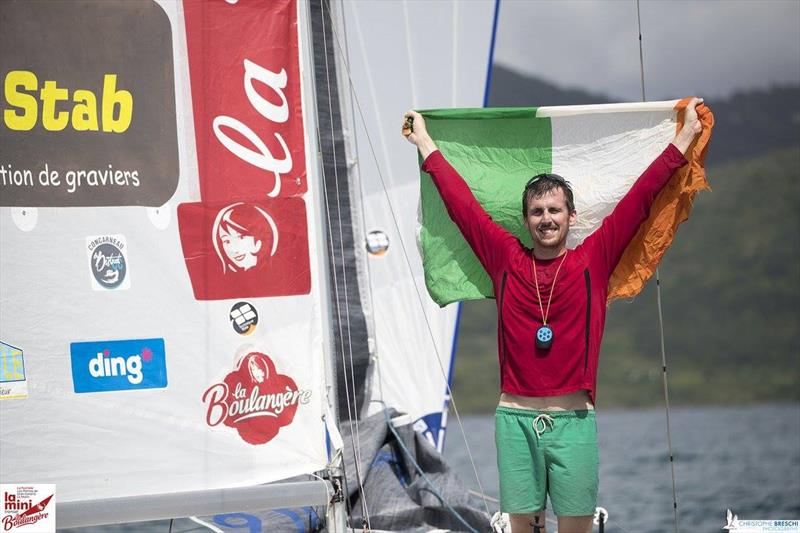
{"points": [[544, 337]]}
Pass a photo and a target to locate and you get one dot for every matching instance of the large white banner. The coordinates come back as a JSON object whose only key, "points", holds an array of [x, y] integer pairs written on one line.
{"points": [[161, 316]]}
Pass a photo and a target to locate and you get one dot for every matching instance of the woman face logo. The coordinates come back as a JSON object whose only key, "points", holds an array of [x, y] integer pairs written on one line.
{"points": [[241, 249], [258, 369], [244, 236]]}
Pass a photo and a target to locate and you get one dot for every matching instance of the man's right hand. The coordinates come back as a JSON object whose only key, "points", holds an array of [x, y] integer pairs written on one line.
{"points": [[416, 132]]}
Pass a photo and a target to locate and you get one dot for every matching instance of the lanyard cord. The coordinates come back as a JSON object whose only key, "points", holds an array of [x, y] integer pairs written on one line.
{"points": [[552, 288]]}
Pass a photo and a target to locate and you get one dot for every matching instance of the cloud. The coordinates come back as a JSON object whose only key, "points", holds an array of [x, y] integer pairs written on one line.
{"points": [[710, 48]]}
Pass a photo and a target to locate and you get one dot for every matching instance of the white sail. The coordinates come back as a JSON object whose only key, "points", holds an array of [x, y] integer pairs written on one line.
{"points": [[164, 309], [397, 55], [139, 382]]}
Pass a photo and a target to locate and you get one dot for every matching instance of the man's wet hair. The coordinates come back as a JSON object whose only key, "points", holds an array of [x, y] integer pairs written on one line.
{"points": [[540, 184]]}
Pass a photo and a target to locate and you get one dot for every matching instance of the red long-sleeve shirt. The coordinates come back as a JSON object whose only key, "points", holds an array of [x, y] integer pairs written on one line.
{"points": [[578, 310]]}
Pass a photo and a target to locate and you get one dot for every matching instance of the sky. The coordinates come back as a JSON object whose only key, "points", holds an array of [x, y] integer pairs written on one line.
{"points": [[709, 48]]}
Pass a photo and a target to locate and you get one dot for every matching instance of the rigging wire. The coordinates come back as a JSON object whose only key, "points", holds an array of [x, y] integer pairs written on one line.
{"points": [[354, 414], [362, 220], [320, 155], [421, 472], [410, 269], [660, 317], [354, 435]]}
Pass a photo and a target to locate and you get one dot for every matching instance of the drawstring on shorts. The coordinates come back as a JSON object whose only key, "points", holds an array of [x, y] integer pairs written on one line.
{"points": [[542, 419]]}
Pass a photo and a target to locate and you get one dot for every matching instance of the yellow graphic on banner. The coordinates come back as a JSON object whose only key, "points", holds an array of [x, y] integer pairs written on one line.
{"points": [[13, 384], [21, 87]]}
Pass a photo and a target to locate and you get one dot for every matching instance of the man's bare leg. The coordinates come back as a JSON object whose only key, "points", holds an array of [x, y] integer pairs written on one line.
{"points": [[575, 524], [521, 523]]}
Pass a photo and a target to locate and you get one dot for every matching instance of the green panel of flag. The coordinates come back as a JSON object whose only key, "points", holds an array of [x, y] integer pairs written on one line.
{"points": [[496, 151]]}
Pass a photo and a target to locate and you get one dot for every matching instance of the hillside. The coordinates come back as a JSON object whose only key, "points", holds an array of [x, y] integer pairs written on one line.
{"points": [[512, 89]]}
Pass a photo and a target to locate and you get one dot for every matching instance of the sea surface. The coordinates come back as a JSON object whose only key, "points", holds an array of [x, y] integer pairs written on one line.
{"points": [[746, 459]]}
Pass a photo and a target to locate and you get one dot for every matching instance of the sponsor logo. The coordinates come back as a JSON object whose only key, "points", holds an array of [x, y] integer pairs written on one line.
{"points": [[377, 243], [250, 143], [246, 249], [244, 318], [84, 129], [734, 523], [118, 365], [13, 384], [244, 236], [29, 508], [254, 399], [108, 262]]}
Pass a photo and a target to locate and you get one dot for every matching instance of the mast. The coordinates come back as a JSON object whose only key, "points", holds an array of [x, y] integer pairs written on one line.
{"points": [[349, 324], [336, 511]]}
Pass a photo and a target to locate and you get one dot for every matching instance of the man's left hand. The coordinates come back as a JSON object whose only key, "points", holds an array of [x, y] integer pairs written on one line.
{"points": [[691, 124]]}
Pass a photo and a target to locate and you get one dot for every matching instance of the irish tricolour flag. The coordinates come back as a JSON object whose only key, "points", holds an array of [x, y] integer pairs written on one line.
{"points": [[599, 149]]}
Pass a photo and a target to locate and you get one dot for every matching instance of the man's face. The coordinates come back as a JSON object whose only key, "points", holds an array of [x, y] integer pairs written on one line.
{"points": [[549, 219]]}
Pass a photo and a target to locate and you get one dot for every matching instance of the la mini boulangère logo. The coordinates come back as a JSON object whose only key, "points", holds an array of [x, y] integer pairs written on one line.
{"points": [[28, 508]]}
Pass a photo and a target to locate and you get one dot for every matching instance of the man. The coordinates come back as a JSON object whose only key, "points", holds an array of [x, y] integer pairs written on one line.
{"points": [[551, 304]]}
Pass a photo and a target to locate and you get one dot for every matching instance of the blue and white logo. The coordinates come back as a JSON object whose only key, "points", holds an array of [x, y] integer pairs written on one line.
{"points": [[108, 262], [118, 365]]}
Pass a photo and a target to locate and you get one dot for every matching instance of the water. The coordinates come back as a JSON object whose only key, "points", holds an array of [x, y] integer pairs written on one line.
{"points": [[746, 459]]}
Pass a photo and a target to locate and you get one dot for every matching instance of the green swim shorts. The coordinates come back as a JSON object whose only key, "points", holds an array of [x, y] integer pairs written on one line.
{"points": [[541, 452]]}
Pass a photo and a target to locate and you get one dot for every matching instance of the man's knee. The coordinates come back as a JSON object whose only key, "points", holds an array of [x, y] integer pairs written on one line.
{"points": [[525, 523]]}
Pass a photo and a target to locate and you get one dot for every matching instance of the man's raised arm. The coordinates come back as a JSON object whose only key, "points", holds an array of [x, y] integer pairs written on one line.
{"points": [[490, 242], [618, 228]]}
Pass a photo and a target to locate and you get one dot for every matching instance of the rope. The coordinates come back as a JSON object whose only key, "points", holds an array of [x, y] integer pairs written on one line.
{"points": [[371, 84], [355, 436], [419, 470], [354, 140], [660, 319], [309, 49], [408, 263]]}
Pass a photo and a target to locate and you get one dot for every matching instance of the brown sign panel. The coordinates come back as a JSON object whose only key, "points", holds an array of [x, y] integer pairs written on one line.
{"points": [[88, 104]]}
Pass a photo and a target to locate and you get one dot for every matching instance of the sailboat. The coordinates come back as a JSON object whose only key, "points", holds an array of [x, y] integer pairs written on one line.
{"points": [[210, 286], [203, 276]]}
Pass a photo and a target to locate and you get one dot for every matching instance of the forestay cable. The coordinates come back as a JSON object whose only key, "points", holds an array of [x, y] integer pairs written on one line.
{"points": [[362, 198], [351, 410], [407, 260], [330, 237], [660, 317]]}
